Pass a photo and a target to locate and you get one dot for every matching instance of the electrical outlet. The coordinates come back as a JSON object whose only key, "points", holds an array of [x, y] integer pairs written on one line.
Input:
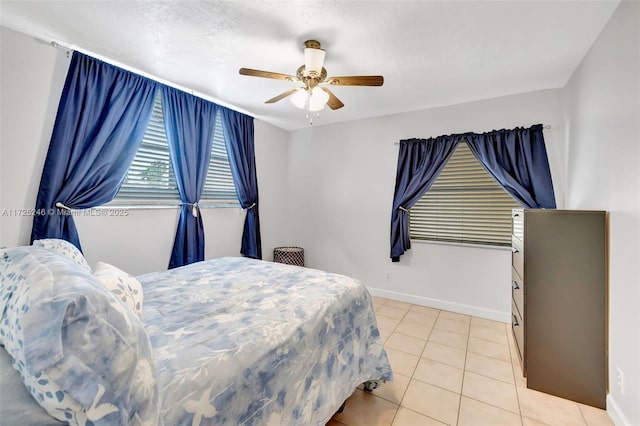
{"points": [[388, 276], [620, 380]]}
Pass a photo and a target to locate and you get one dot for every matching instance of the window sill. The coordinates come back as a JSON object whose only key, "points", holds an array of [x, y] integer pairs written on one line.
{"points": [[466, 245], [164, 206]]}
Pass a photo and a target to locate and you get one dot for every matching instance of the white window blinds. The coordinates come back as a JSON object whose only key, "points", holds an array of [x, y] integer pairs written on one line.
{"points": [[151, 180], [219, 185], [464, 205]]}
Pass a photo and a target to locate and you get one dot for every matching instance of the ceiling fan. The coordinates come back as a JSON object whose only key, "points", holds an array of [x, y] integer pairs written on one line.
{"points": [[312, 74]]}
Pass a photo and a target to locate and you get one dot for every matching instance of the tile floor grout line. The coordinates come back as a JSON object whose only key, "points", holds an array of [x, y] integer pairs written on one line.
{"points": [[464, 370], [422, 414], [388, 400], [393, 419], [495, 406], [489, 356], [438, 386], [414, 370], [586, 422], [487, 340], [515, 382], [408, 335], [405, 352], [399, 402]]}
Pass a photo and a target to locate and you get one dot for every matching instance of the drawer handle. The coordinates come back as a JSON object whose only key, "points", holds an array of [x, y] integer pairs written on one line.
{"points": [[516, 214], [515, 250], [514, 321], [515, 285]]}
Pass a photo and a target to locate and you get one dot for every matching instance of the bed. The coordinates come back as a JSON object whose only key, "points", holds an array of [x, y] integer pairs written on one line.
{"points": [[225, 341]]}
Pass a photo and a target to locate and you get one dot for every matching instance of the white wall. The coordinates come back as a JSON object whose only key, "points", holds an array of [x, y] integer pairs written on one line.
{"points": [[33, 75], [31, 79], [603, 172], [341, 180], [272, 157]]}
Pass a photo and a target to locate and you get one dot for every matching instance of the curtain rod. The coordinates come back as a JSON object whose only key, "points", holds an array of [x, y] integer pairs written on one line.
{"points": [[547, 127], [69, 48]]}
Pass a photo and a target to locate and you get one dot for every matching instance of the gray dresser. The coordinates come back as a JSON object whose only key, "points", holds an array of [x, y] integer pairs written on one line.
{"points": [[559, 306]]}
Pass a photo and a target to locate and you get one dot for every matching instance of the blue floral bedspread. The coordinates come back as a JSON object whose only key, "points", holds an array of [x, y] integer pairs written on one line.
{"points": [[245, 342]]}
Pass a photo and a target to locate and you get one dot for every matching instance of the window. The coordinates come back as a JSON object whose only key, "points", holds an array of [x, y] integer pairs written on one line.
{"points": [[150, 179], [464, 205], [219, 185]]}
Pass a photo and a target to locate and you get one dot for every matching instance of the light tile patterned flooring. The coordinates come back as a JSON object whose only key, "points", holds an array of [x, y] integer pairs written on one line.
{"points": [[453, 369]]}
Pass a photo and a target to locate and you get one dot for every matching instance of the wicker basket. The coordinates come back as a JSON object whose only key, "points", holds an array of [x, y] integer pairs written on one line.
{"points": [[289, 255]]}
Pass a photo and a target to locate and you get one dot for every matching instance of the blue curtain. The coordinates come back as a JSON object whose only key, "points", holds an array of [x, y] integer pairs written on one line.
{"points": [[238, 131], [517, 159], [102, 116], [189, 123], [420, 162]]}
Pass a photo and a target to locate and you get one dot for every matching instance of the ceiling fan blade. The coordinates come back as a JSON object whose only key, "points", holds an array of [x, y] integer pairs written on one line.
{"points": [[333, 102], [281, 96], [356, 80], [267, 74]]}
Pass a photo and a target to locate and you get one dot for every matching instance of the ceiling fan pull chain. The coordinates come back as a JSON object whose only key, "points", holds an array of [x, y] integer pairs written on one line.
{"points": [[306, 108]]}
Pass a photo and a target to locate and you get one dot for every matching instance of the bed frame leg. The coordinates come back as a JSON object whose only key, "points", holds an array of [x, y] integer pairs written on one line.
{"points": [[370, 385]]}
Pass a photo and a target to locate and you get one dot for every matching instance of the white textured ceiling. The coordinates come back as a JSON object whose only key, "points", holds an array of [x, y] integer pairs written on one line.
{"points": [[431, 53]]}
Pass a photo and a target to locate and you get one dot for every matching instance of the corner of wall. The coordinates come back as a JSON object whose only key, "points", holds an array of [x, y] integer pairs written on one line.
{"points": [[601, 109], [32, 78]]}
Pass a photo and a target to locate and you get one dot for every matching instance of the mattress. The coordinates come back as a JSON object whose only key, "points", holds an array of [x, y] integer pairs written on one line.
{"points": [[248, 342]]}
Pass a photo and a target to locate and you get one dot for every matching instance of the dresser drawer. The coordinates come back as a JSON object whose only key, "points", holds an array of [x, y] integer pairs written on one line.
{"points": [[517, 326], [517, 224], [517, 256], [517, 291]]}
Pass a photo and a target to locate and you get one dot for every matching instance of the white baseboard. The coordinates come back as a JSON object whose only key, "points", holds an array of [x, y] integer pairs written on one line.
{"points": [[442, 304], [616, 414]]}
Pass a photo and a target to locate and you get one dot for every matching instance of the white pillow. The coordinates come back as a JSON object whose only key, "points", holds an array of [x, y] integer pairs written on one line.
{"points": [[123, 285]]}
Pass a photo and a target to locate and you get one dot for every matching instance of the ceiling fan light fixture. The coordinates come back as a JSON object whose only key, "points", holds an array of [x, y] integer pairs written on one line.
{"points": [[317, 99], [299, 98], [311, 100], [313, 60]]}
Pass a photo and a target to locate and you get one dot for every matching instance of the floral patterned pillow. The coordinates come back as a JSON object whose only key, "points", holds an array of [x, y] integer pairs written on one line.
{"points": [[123, 285], [66, 248], [83, 356]]}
